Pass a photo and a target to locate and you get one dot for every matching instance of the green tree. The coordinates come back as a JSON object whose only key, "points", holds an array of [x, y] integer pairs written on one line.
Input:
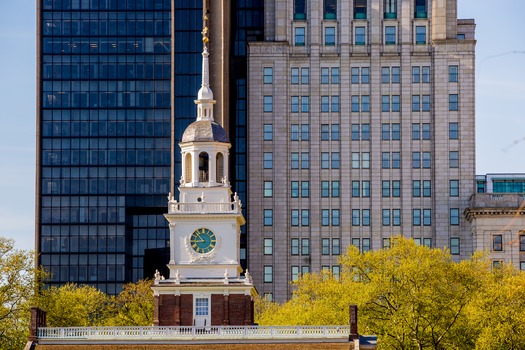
{"points": [[17, 286], [72, 305], [133, 306]]}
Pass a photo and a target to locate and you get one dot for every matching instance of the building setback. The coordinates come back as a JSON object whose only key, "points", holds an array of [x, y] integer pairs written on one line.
{"points": [[361, 126]]}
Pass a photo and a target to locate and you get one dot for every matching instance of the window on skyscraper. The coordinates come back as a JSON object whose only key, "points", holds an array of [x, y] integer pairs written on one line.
{"points": [[390, 9], [416, 106], [305, 75], [335, 132], [454, 245], [359, 36], [268, 75], [330, 9], [453, 74], [268, 217], [268, 188], [335, 75], [454, 216], [268, 246], [305, 132], [305, 189], [268, 160], [325, 132], [325, 103], [299, 8], [390, 35], [268, 103], [268, 132], [294, 189], [497, 243], [454, 188], [294, 78], [453, 131], [454, 159], [421, 35], [420, 9], [268, 274], [359, 9], [453, 102], [300, 33], [329, 36]]}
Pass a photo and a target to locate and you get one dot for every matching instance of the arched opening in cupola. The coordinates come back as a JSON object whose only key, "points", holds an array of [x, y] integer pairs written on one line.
{"points": [[187, 168], [219, 163], [204, 167]]}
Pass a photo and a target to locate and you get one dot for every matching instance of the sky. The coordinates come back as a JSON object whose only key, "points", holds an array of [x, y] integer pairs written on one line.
{"points": [[500, 92]]}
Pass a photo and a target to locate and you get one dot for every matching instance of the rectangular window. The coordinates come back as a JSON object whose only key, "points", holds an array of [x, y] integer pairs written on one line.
{"points": [[416, 160], [386, 217], [335, 160], [396, 217], [426, 160], [294, 108], [329, 36], [426, 103], [416, 134], [325, 134], [421, 35], [325, 104], [268, 132], [268, 160], [295, 217], [305, 75], [305, 132], [268, 188], [335, 189], [385, 188], [425, 72], [385, 103], [325, 189], [325, 246], [360, 38], [335, 217], [396, 71], [396, 104], [366, 245], [365, 103], [452, 74], [335, 132], [454, 245], [365, 189], [426, 131], [385, 75], [366, 217], [335, 75], [386, 243], [497, 243], [416, 103], [365, 75], [385, 132], [335, 103], [336, 246], [420, 9], [416, 217], [427, 242], [396, 160], [330, 9], [325, 75], [416, 75], [356, 215], [453, 131], [268, 103], [365, 160], [390, 35], [300, 36], [305, 246], [305, 217], [294, 132], [299, 10], [305, 189], [325, 160], [522, 243], [267, 75], [325, 217], [390, 9], [268, 274], [305, 104], [359, 9], [355, 75], [294, 276], [355, 160], [396, 132], [356, 242], [385, 160], [295, 76], [416, 188], [396, 188], [454, 188], [365, 132], [268, 217], [305, 160], [453, 102], [453, 159], [427, 188], [427, 217], [355, 188], [294, 189], [454, 216], [268, 246]]}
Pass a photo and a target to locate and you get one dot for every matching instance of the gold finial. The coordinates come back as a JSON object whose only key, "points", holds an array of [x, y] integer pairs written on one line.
{"points": [[205, 30]]}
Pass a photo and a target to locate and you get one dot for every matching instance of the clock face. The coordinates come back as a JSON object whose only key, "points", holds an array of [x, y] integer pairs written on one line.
{"points": [[203, 240]]}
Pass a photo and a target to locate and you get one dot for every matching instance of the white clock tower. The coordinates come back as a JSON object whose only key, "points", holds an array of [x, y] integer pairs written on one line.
{"points": [[204, 286]]}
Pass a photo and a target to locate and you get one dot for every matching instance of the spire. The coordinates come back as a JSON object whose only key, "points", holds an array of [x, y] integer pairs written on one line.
{"points": [[205, 99]]}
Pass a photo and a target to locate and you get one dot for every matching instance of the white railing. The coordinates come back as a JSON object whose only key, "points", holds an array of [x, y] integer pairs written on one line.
{"points": [[190, 333], [204, 207]]}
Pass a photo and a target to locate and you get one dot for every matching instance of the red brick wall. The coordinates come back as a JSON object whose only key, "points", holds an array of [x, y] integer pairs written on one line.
{"points": [[186, 310], [241, 307], [217, 309], [168, 308]]}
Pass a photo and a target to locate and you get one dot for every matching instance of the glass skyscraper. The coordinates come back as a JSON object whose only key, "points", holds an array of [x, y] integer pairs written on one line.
{"points": [[105, 133]]}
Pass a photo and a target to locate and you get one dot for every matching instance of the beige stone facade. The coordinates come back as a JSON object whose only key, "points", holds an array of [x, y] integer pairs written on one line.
{"points": [[361, 126]]}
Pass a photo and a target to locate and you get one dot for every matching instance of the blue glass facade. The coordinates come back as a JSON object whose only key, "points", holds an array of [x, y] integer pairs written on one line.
{"points": [[105, 132]]}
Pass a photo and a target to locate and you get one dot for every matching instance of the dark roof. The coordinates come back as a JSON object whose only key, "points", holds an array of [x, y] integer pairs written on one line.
{"points": [[204, 131]]}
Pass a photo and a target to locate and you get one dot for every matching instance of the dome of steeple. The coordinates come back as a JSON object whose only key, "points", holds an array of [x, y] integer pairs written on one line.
{"points": [[205, 131]]}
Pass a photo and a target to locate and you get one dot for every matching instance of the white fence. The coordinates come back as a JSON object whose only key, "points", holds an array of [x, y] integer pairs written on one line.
{"points": [[192, 333]]}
